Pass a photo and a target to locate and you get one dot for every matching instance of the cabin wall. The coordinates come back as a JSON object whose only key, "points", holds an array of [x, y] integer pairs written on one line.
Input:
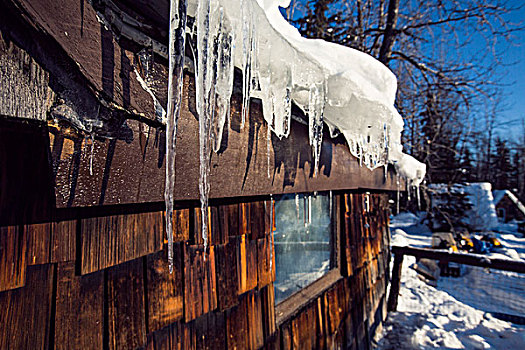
{"points": [[82, 241], [510, 209], [103, 282]]}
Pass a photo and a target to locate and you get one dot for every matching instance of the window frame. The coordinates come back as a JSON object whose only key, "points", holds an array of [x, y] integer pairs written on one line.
{"points": [[292, 305]]}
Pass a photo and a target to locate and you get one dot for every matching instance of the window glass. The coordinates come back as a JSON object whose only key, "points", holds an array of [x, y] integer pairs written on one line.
{"points": [[303, 241]]}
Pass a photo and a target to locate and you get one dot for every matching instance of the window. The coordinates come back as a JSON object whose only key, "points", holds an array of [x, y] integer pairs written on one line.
{"points": [[501, 213], [304, 241]]}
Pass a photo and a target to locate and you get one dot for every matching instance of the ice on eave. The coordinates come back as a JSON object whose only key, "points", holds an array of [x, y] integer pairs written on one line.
{"points": [[347, 89]]}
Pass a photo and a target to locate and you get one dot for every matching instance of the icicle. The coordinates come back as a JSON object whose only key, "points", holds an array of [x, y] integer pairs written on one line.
{"points": [[397, 179], [177, 37], [146, 56], [330, 203], [297, 211], [224, 78], [307, 202], [316, 100], [408, 190], [91, 154], [418, 197], [203, 95], [248, 46], [309, 210], [271, 231], [268, 149], [214, 80]]}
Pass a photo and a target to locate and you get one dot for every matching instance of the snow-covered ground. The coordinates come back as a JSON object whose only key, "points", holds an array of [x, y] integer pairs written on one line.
{"points": [[454, 314]]}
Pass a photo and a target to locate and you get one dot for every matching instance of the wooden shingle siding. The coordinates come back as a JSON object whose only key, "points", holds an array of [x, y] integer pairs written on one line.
{"points": [[111, 240], [227, 275], [13, 257], [126, 306], [63, 243], [181, 225], [25, 319], [116, 290], [237, 326], [39, 243], [200, 282], [79, 317], [246, 263], [165, 291], [51, 242], [265, 262]]}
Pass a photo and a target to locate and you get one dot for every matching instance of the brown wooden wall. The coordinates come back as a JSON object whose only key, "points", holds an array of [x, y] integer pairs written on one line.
{"points": [[82, 241], [103, 282]]}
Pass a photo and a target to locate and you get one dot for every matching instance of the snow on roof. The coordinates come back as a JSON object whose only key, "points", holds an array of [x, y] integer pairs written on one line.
{"points": [[349, 90], [499, 194]]}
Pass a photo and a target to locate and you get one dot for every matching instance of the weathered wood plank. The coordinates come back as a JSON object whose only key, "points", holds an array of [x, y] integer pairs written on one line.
{"points": [[93, 47], [233, 215], [26, 312], [224, 222], [13, 257], [237, 326], [111, 240], [227, 275], [348, 251], [304, 329], [24, 89], [286, 336], [64, 239], [268, 311], [247, 263], [255, 320], [200, 281], [197, 227], [164, 290], [39, 237], [126, 311], [210, 331], [79, 318], [181, 225], [257, 220], [164, 339], [265, 261]]}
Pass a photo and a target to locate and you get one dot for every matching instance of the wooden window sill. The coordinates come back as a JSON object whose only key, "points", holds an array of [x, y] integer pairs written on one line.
{"points": [[292, 305]]}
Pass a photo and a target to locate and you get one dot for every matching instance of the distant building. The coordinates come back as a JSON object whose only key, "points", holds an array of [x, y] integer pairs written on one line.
{"points": [[508, 206]]}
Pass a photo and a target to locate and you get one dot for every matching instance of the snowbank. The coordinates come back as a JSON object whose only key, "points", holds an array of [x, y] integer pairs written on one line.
{"points": [[456, 313], [482, 215], [428, 318]]}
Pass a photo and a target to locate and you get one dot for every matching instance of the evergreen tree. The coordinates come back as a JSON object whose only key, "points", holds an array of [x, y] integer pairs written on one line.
{"points": [[502, 168]]}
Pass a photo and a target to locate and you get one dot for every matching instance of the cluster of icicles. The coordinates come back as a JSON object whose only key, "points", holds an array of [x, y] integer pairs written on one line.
{"points": [[277, 68]]}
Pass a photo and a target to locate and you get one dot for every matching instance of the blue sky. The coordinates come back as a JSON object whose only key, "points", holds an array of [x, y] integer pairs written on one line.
{"points": [[514, 80]]}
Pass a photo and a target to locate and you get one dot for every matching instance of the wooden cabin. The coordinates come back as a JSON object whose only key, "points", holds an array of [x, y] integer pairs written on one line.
{"points": [[508, 206], [82, 239]]}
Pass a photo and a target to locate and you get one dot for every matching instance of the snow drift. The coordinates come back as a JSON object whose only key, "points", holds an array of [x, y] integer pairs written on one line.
{"points": [[481, 216]]}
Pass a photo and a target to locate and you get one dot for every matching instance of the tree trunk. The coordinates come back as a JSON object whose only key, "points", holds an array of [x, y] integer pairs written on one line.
{"points": [[388, 36]]}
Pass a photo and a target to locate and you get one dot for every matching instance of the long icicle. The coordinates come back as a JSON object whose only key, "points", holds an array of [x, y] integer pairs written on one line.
{"points": [[177, 37]]}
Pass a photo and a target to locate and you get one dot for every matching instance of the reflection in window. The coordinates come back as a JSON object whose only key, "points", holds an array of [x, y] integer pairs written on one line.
{"points": [[303, 241]]}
